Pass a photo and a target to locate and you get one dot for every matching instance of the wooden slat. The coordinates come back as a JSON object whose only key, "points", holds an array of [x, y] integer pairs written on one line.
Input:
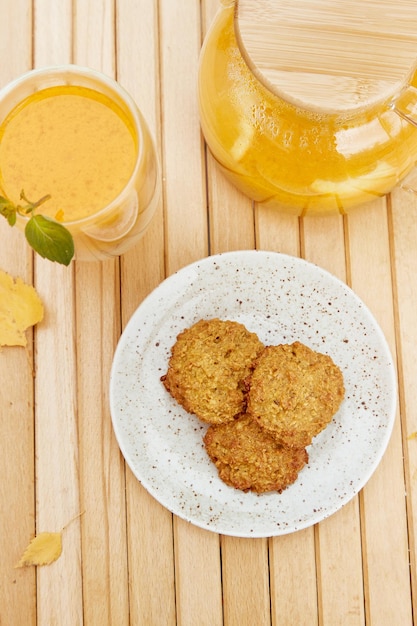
{"points": [[17, 501], [186, 221], [184, 176], [15, 26], [404, 249], [52, 31], [246, 581], [275, 231], [57, 467], [385, 549], [231, 214], [151, 563], [94, 35], [143, 268], [339, 563], [197, 567], [323, 243], [97, 286], [101, 475], [17, 497], [291, 557], [57, 487], [338, 539], [245, 575], [151, 571], [292, 560]]}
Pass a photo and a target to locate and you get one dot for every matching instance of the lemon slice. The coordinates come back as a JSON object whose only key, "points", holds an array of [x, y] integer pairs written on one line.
{"points": [[376, 183], [243, 143]]}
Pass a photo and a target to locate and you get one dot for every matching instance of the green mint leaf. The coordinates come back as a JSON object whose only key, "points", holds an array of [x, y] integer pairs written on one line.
{"points": [[50, 239], [4, 206], [7, 210], [11, 218]]}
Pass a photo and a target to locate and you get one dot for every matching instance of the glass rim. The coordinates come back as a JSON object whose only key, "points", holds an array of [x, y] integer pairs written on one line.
{"points": [[113, 85]]}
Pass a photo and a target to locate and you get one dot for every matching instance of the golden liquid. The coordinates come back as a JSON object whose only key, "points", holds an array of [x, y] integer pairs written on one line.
{"points": [[278, 154], [70, 142]]}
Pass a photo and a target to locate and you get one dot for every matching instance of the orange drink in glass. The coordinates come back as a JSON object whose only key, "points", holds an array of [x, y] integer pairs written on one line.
{"points": [[76, 136]]}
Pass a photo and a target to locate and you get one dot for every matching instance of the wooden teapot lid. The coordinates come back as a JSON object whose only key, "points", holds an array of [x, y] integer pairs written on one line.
{"points": [[329, 54]]}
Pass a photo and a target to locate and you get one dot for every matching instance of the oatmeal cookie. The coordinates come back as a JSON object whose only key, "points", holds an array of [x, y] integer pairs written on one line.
{"points": [[294, 393], [248, 458], [208, 366]]}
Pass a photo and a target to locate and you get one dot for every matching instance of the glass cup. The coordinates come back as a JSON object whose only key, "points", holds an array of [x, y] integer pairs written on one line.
{"points": [[102, 230]]}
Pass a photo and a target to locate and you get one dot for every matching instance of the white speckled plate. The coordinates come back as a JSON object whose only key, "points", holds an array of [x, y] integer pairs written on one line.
{"points": [[282, 299]]}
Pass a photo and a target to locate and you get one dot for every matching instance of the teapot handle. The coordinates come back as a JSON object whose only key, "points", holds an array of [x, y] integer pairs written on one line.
{"points": [[405, 104]]}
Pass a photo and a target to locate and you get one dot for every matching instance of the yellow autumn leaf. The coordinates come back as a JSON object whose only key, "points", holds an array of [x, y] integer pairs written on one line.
{"points": [[20, 308], [42, 550]]}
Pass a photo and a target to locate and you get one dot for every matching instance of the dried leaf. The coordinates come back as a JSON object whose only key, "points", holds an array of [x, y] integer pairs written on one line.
{"points": [[42, 550], [20, 308], [45, 547]]}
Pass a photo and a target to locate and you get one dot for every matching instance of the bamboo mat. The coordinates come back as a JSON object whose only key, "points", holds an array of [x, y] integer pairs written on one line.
{"points": [[126, 559]]}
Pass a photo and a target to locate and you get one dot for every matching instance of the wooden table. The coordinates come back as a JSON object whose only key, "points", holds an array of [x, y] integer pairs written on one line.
{"points": [[127, 560]]}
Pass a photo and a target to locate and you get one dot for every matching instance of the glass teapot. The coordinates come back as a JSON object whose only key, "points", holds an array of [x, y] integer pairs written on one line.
{"points": [[311, 106]]}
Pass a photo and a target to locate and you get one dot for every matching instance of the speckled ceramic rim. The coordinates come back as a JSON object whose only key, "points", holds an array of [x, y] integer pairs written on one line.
{"points": [[283, 299]]}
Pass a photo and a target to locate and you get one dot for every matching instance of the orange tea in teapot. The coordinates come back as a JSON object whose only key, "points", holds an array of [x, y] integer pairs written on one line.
{"points": [[299, 129]]}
